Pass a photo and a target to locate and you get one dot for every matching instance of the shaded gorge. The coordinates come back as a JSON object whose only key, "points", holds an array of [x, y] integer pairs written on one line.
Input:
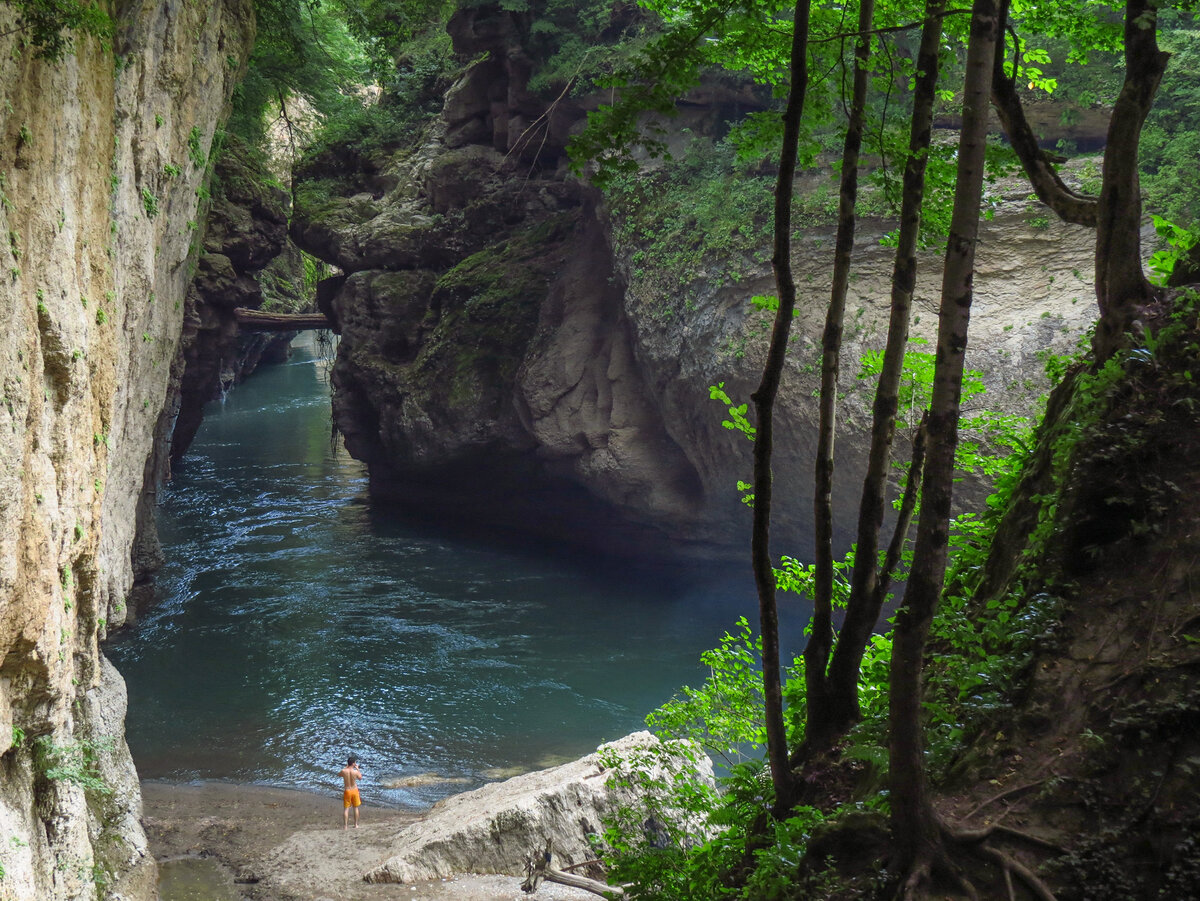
{"points": [[295, 623]]}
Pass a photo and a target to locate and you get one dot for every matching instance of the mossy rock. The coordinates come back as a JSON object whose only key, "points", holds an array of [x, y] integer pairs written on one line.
{"points": [[487, 309]]}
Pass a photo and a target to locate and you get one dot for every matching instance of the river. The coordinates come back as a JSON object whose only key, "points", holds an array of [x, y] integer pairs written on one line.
{"points": [[296, 623]]}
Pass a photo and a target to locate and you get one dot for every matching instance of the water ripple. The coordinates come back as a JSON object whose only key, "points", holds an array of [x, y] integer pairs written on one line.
{"points": [[296, 623]]}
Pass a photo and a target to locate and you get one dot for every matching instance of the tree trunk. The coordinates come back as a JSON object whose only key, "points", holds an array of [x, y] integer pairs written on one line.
{"points": [[915, 826], [821, 727], [908, 506], [257, 321], [1050, 189], [862, 612], [764, 404], [1122, 289]]}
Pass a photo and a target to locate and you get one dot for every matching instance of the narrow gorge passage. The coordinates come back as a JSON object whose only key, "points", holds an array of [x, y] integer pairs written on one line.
{"points": [[296, 623]]}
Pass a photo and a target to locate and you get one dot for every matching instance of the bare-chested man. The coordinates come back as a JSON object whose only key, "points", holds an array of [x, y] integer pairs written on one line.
{"points": [[350, 774]]}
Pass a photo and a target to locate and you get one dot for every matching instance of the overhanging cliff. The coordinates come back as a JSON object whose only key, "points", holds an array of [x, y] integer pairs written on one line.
{"points": [[508, 357]]}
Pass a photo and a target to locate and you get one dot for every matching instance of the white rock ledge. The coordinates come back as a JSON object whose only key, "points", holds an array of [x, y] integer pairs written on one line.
{"points": [[491, 829]]}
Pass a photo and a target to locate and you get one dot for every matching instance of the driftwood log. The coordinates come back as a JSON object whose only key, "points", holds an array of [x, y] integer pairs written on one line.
{"points": [[538, 869], [258, 321]]}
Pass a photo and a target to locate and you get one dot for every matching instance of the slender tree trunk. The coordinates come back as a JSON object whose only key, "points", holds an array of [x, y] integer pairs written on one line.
{"points": [[908, 505], [1050, 189], [1121, 286], [820, 726], [863, 609], [915, 827], [764, 405]]}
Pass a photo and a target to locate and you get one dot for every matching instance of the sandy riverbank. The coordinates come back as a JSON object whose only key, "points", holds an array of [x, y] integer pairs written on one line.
{"points": [[283, 845]]}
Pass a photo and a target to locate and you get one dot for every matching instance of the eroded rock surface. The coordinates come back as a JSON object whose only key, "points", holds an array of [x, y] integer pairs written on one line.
{"points": [[101, 155], [494, 828], [502, 363]]}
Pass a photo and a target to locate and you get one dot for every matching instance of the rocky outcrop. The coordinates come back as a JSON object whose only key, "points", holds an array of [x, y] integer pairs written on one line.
{"points": [[501, 361], [100, 166], [494, 828]]}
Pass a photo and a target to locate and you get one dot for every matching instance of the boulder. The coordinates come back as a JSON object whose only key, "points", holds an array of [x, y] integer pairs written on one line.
{"points": [[492, 829]]}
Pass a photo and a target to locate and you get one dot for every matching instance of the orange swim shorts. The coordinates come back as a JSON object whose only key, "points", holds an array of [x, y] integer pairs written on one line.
{"points": [[350, 798]]}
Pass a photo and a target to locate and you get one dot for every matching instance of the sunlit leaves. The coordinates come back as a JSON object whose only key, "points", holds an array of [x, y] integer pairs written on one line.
{"points": [[986, 437], [800, 578], [1179, 241], [737, 420], [725, 714]]}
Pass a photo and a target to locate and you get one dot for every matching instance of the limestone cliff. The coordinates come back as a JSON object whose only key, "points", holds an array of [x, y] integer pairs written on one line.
{"points": [[101, 158], [501, 359]]}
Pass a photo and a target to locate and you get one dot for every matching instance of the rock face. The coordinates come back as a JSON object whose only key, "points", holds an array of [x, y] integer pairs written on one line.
{"points": [[245, 232], [246, 260], [494, 828], [500, 362], [100, 167]]}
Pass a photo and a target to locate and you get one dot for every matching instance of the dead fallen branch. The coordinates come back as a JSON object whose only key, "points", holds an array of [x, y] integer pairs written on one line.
{"points": [[538, 869], [258, 321]]}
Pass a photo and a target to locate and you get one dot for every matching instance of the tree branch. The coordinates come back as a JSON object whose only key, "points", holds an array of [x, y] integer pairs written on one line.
{"points": [[890, 29], [1049, 187]]}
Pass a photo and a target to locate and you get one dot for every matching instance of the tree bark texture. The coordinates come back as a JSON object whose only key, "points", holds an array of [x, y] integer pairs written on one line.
{"points": [[915, 826], [764, 405], [1122, 289], [863, 608], [821, 726]]}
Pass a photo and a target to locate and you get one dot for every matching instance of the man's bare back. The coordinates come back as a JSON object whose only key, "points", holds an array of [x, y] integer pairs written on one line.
{"points": [[350, 774]]}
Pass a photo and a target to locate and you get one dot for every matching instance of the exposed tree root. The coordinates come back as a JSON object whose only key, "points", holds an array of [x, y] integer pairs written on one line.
{"points": [[964, 836], [1010, 866], [1007, 793], [920, 880], [939, 864]]}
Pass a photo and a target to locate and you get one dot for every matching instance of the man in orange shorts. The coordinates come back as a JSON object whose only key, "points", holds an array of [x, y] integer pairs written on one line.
{"points": [[350, 774]]}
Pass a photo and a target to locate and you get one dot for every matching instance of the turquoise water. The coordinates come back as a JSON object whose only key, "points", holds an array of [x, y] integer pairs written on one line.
{"points": [[297, 623]]}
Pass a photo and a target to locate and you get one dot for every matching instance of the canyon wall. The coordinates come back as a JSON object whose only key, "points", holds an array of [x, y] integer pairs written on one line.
{"points": [[247, 262], [506, 361], [103, 156]]}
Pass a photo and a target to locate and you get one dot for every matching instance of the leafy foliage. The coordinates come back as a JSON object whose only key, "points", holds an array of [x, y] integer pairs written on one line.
{"points": [[702, 210], [50, 26], [981, 655], [986, 438], [77, 763], [318, 57], [1171, 139], [578, 46], [724, 715], [1180, 242], [387, 29]]}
